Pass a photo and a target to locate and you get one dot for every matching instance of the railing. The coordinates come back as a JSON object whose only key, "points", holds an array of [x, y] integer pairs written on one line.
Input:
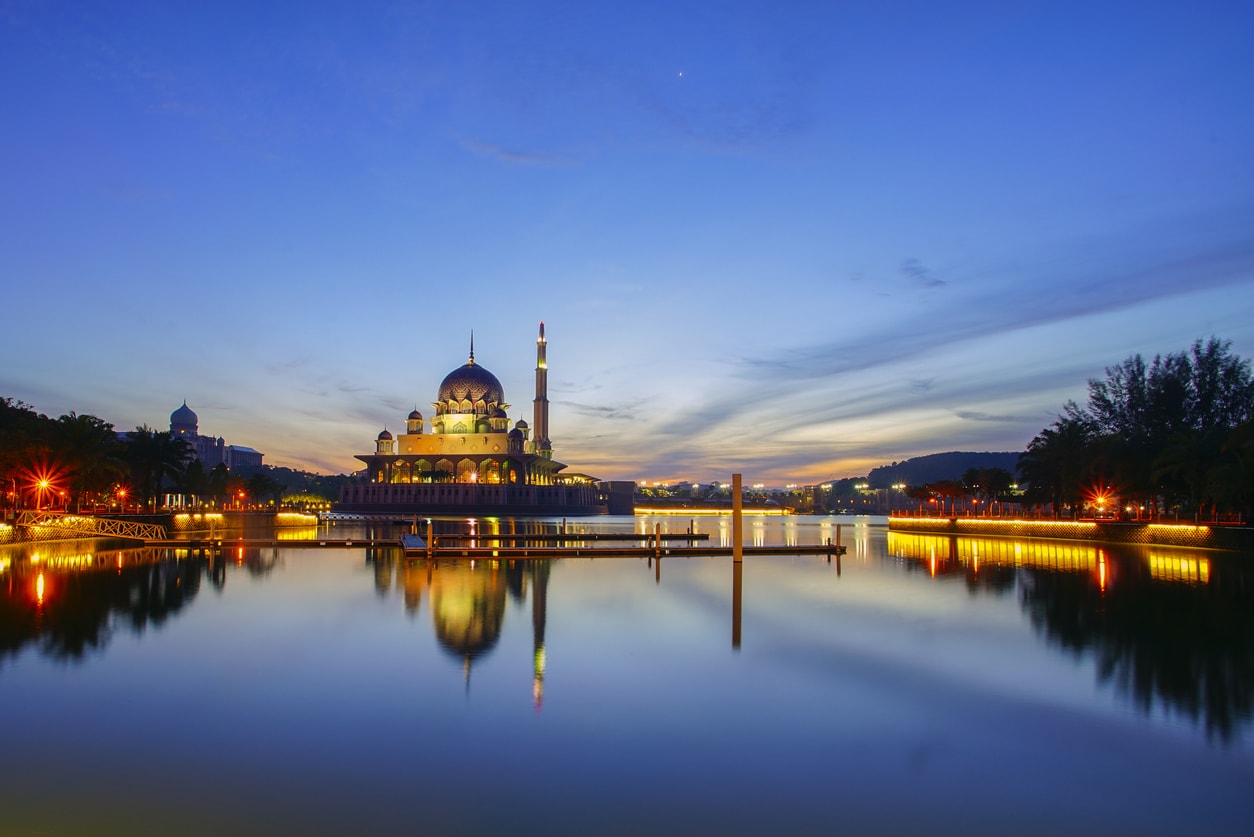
{"points": [[54, 526]]}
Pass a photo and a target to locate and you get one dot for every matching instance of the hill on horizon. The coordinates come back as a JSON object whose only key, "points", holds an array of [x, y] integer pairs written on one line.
{"points": [[935, 467]]}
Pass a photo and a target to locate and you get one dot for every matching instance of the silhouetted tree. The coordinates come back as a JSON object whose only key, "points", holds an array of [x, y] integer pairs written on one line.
{"points": [[1059, 460], [154, 456], [91, 454]]}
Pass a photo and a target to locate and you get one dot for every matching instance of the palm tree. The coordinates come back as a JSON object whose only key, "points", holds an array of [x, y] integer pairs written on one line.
{"points": [[1058, 460], [91, 454], [155, 455]]}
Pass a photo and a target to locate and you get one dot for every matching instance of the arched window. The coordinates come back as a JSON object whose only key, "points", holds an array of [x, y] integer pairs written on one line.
{"points": [[466, 471]]}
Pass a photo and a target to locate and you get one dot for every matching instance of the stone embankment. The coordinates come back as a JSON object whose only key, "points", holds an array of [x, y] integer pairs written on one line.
{"points": [[1200, 536]]}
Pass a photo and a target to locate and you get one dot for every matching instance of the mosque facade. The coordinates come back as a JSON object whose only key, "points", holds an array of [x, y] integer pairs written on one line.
{"points": [[466, 458]]}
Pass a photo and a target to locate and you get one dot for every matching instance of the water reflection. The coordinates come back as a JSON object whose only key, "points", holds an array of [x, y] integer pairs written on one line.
{"points": [[468, 601], [1167, 628], [69, 604]]}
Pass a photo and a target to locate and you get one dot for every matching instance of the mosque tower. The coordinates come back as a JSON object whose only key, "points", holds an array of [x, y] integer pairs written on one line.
{"points": [[539, 613], [541, 415]]}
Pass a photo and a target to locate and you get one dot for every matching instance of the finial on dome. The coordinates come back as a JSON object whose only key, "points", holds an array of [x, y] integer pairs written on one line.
{"points": [[542, 329], [472, 346]]}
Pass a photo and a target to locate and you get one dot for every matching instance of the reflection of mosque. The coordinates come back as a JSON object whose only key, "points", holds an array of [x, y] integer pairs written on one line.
{"points": [[1169, 627], [468, 601], [465, 458]]}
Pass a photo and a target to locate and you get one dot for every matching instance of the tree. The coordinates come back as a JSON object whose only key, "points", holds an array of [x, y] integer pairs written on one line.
{"points": [[218, 479], [91, 454], [261, 485], [195, 480], [1164, 421], [1156, 430], [988, 483], [1232, 479], [25, 447], [1058, 461], [153, 456]]}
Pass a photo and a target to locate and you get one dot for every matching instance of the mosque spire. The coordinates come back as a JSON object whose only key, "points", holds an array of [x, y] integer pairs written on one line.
{"points": [[472, 346], [540, 414]]}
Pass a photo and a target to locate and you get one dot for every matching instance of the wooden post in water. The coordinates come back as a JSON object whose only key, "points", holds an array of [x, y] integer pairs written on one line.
{"points": [[657, 539], [738, 569], [837, 538], [430, 540], [738, 539]]}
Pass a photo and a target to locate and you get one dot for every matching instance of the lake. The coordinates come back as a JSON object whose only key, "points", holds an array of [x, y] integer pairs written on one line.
{"points": [[916, 685]]}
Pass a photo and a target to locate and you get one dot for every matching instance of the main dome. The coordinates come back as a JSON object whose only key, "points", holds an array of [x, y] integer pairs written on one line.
{"points": [[471, 382], [183, 416]]}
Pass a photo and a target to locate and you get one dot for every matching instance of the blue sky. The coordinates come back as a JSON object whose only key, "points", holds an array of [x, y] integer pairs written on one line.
{"points": [[794, 240]]}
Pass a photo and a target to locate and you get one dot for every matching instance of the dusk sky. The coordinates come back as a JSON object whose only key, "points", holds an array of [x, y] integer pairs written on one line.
{"points": [[791, 240]]}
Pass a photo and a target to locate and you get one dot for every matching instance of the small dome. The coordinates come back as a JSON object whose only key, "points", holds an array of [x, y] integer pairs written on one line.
{"points": [[471, 382], [499, 413], [515, 433], [522, 424], [385, 436], [183, 415], [415, 416]]}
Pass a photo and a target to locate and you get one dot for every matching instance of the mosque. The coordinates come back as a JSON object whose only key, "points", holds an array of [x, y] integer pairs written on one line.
{"points": [[466, 459]]}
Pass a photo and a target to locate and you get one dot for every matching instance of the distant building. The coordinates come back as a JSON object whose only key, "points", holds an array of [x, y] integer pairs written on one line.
{"points": [[472, 461], [208, 450]]}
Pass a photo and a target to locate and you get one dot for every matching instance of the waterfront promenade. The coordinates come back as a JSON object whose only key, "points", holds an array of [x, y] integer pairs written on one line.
{"points": [[1198, 536]]}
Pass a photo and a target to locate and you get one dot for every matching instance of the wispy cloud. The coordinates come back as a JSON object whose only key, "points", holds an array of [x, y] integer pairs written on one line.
{"points": [[513, 156], [624, 412], [920, 274], [976, 415]]}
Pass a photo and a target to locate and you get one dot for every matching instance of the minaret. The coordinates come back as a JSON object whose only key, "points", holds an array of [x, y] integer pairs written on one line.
{"points": [[539, 613], [540, 425]]}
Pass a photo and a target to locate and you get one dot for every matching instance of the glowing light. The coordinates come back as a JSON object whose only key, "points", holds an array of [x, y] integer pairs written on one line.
{"points": [[39, 588], [642, 511], [1179, 568]]}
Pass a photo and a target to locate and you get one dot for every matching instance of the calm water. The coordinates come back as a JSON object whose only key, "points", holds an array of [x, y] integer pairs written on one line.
{"points": [[918, 685]]}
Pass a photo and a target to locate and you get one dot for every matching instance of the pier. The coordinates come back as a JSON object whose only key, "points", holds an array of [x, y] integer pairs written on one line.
{"points": [[449, 547]]}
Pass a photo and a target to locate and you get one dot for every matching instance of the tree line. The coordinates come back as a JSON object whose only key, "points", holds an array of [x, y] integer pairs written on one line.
{"points": [[77, 462], [1174, 436]]}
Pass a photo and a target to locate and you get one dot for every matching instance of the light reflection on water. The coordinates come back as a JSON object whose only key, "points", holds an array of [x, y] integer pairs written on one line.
{"points": [[1081, 687]]}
